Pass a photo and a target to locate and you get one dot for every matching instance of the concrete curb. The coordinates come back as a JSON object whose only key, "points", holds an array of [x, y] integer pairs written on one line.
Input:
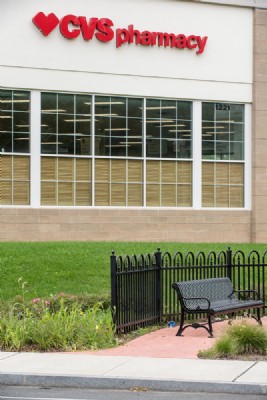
{"points": [[127, 384]]}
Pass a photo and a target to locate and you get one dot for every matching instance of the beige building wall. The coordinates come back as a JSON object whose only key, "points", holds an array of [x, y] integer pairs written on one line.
{"points": [[27, 224], [179, 225], [259, 173]]}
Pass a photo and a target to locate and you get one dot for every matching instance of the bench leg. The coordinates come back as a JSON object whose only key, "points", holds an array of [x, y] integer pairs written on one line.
{"points": [[258, 319], [210, 330], [180, 330]]}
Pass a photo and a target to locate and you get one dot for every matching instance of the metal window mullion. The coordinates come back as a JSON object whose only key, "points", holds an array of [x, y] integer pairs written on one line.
{"points": [[160, 182], [176, 158], [176, 182], [110, 182], [12, 149], [215, 160], [215, 185], [35, 149], [247, 139], [75, 154], [57, 138], [110, 155], [74, 123], [229, 183], [57, 181], [127, 154], [12, 179], [144, 152], [74, 181], [160, 132], [196, 142], [93, 149], [57, 155]]}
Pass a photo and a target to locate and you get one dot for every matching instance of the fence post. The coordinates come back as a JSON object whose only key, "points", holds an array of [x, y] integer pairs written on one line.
{"points": [[229, 263], [114, 294], [158, 284]]}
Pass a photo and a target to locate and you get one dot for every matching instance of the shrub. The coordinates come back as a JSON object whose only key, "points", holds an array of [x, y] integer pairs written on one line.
{"points": [[239, 339], [60, 323], [249, 339]]}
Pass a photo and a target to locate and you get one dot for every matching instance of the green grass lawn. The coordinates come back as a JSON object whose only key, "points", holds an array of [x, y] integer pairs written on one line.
{"points": [[78, 267]]}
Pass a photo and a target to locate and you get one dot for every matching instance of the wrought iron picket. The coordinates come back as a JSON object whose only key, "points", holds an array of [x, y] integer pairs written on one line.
{"points": [[141, 292]]}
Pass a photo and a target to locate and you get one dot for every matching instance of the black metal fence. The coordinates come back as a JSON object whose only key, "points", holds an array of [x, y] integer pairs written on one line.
{"points": [[141, 286]]}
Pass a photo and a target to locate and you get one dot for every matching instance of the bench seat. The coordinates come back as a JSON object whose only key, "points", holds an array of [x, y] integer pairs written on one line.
{"points": [[213, 297]]}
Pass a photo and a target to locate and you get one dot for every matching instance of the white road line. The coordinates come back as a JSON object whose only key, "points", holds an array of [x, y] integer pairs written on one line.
{"points": [[36, 398]]}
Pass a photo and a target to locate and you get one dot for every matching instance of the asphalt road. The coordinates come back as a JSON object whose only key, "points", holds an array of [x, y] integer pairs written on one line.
{"points": [[34, 393]]}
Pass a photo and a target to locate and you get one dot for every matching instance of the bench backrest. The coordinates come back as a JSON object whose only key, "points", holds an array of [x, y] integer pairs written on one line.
{"points": [[214, 289]]}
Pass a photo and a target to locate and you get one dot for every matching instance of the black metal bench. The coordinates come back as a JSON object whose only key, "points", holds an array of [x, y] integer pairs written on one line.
{"points": [[213, 297]]}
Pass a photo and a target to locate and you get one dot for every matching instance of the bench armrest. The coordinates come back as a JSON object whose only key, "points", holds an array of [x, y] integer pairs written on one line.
{"points": [[187, 300], [248, 292]]}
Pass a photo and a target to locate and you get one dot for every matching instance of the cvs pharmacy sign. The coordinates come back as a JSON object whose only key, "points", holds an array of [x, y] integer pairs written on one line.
{"points": [[71, 27]]}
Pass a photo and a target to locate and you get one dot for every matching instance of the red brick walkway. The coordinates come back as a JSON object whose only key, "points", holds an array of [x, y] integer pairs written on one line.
{"points": [[164, 343]]}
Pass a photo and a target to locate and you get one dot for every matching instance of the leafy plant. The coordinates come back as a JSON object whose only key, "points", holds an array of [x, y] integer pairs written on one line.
{"points": [[239, 339], [58, 323]]}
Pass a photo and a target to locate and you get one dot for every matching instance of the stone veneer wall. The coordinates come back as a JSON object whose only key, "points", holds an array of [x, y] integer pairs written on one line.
{"points": [[28, 224], [259, 163]]}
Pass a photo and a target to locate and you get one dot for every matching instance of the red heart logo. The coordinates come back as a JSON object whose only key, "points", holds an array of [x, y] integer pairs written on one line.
{"points": [[45, 23]]}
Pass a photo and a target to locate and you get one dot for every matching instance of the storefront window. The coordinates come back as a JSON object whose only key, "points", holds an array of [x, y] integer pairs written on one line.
{"points": [[14, 147], [222, 131], [99, 150], [169, 183], [168, 128], [222, 143], [65, 124], [118, 182], [14, 121], [118, 126], [66, 181]]}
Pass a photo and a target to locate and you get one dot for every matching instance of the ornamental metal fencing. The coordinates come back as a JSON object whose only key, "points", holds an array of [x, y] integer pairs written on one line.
{"points": [[141, 286]]}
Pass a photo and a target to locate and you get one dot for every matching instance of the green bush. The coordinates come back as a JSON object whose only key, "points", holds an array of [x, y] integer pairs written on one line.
{"points": [[249, 339], [239, 339], [60, 323]]}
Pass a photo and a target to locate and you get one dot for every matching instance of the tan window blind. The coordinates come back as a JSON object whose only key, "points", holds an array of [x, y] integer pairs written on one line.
{"points": [[207, 173], [65, 194], [184, 195], [65, 169], [169, 183], [153, 171], [66, 181], [208, 196], [48, 193], [222, 173], [168, 195], [236, 196], [83, 194], [48, 168], [118, 171], [83, 169], [21, 193], [168, 171], [135, 183], [222, 184], [6, 167], [6, 192], [15, 180], [102, 170], [184, 171], [153, 195], [102, 196], [135, 194]]}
